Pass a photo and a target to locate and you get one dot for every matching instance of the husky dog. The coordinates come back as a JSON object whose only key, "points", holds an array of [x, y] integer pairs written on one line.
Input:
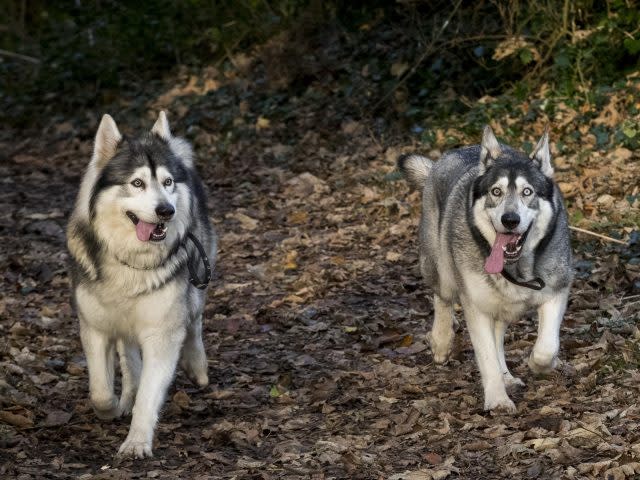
{"points": [[136, 240], [494, 237]]}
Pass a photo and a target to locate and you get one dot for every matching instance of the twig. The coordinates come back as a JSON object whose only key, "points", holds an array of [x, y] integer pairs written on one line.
{"points": [[228, 51], [427, 51], [604, 237], [19, 56]]}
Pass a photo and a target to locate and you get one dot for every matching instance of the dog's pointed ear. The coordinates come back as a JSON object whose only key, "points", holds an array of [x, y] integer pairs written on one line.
{"points": [[541, 155], [161, 127], [107, 139], [178, 146], [489, 148]]}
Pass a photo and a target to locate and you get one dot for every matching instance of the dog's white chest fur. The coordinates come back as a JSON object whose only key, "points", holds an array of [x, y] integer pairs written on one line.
{"points": [[114, 310], [504, 300]]}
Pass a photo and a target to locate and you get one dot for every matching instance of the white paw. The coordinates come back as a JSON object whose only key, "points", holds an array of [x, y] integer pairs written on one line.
{"points": [[499, 402], [125, 405], [197, 373], [510, 381], [542, 363], [135, 448], [440, 348], [106, 409], [202, 380]]}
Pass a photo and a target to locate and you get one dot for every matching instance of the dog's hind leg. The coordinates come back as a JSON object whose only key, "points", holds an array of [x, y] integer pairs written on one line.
{"points": [[442, 333], [160, 354], [544, 356], [194, 358], [499, 330], [482, 332], [131, 366], [100, 353]]}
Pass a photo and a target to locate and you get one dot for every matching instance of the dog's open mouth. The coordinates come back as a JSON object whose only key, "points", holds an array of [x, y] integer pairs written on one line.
{"points": [[513, 248], [148, 231], [506, 248]]}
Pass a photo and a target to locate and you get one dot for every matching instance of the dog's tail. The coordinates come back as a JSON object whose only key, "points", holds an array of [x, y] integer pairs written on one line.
{"points": [[415, 169]]}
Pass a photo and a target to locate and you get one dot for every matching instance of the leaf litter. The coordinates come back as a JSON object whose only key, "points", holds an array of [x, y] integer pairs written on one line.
{"points": [[317, 323]]}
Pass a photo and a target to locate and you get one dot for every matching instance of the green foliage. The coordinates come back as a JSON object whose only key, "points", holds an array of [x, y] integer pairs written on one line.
{"points": [[94, 46], [600, 47], [93, 51], [490, 47]]}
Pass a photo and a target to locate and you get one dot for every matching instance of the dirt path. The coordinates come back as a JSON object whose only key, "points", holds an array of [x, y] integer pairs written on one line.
{"points": [[315, 328]]}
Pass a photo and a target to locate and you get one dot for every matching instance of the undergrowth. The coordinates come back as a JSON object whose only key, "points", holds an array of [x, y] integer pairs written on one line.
{"points": [[439, 55]]}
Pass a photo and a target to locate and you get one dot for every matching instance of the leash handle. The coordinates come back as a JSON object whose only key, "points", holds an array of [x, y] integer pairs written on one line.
{"points": [[535, 284], [193, 272]]}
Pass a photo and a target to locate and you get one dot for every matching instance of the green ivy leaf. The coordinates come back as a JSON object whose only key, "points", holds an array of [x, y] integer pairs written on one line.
{"points": [[274, 392], [602, 136], [526, 57], [577, 216], [562, 60], [629, 131], [632, 45]]}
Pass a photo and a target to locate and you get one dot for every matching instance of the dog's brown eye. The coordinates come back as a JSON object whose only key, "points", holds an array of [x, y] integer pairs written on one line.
{"points": [[527, 191], [137, 183], [496, 192], [168, 182]]}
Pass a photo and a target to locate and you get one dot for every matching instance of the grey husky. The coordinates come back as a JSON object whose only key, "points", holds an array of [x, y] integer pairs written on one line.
{"points": [[141, 247], [494, 237]]}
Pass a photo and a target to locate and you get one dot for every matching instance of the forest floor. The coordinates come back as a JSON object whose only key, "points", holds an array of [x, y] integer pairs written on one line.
{"points": [[316, 322]]}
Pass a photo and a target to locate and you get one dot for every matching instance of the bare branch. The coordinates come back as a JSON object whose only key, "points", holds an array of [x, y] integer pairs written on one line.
{"points": [[19, 56], [603, 237]]}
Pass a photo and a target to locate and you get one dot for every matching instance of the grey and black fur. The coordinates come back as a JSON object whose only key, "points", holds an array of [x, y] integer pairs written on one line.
{"points": [[470, 197], [133, 296]]}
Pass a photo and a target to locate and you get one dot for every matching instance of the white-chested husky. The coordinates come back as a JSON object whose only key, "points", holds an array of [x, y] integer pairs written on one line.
{"points": [[141, 245], [494, 237]]}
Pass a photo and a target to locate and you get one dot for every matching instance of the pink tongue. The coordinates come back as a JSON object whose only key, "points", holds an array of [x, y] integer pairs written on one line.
{"points": [[495, 261], [144, 229]]}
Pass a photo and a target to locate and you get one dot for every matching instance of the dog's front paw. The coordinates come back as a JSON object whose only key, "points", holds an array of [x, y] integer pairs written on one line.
{"points": [[125, 405], [512, 382], [440, 348], [499, 402], [200, 379], [196, 370], [440, 357], [135, 448], [106, 409], [542, 363]]}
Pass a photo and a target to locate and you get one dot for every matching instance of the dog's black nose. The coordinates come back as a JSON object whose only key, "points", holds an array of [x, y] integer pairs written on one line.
{"points": [[510, 220], [165, 211]]}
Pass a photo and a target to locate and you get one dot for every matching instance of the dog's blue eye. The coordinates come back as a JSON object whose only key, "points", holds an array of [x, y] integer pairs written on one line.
{"points": [[137, 183], [496, 192], [168, 182], [527, 191]]}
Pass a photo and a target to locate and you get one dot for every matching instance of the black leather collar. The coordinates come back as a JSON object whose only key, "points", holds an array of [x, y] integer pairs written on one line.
{"points": [[200, 284], [534, 284]]}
